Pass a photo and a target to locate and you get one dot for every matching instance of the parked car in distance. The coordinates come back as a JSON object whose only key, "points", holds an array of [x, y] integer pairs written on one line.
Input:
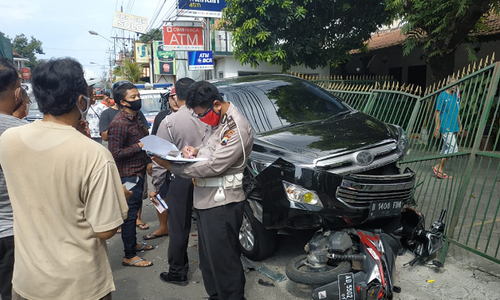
{"points": [[316, 162], [153, 101], [34, 113], [152, 104]]}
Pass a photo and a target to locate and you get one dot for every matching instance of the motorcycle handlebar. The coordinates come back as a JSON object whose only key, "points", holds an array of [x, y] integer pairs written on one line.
{"points": [[441, 216]]}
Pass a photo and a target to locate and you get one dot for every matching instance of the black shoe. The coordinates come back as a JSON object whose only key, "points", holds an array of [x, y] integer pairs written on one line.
{"points": [[179, 280]]}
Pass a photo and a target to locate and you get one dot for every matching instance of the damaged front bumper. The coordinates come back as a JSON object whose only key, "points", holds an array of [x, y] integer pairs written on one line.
{"points": [[303, 198]]}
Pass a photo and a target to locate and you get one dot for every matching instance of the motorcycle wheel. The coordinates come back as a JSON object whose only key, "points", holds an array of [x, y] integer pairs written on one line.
{"points": [[299, 272]]}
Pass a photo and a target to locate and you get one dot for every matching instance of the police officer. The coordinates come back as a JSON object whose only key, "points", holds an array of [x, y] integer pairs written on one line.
{"points": [[180, 129], [218, 195]]}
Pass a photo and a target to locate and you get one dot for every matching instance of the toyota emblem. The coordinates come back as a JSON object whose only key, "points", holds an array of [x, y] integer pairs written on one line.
{"points": [[364, 158]]}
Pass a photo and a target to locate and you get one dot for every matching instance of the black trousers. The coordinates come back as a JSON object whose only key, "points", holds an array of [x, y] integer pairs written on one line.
{"points": [[6, 266], [220, 262], [180, 206]]}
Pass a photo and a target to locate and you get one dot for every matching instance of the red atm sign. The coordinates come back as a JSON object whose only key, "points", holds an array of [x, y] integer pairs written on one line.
{"points": [[182, 38]]}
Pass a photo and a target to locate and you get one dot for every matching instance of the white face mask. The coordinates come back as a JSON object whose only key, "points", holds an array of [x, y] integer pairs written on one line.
{"points": [[83, 114]]}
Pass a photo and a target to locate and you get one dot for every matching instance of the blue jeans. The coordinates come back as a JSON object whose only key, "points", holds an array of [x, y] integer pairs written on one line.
{"points": [[128, 228]]}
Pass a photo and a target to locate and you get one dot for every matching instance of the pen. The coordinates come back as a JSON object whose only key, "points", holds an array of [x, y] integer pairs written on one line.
{"points": [[189, 151]]}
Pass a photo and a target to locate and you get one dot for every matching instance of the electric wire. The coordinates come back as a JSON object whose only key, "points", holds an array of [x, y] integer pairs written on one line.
{"points": [[156, 14]]}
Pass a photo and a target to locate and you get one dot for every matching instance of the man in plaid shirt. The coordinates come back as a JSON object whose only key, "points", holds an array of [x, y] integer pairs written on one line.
{"points": [[124, 134]]}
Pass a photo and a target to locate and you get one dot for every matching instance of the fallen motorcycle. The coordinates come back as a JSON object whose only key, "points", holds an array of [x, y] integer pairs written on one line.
{"points": [[359, 264]]}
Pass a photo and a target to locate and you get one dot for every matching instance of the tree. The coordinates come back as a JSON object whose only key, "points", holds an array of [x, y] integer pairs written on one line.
{"points": [[439, 27], [295, 32], [129, 70], [27, 49], [152, 35]]}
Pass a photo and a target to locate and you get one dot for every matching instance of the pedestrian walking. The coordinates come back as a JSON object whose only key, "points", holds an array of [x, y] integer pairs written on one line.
{"points": [[448, 123]]}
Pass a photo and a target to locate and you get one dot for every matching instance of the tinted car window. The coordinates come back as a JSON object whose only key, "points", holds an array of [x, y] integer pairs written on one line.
{"points": [[280, 101]]}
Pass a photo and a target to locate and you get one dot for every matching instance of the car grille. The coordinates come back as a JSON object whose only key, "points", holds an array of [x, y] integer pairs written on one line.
{"points": [[381, 154], [358, 191]]}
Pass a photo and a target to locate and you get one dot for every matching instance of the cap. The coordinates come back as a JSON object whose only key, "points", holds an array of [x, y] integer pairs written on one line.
{"points": [[172, 92]]}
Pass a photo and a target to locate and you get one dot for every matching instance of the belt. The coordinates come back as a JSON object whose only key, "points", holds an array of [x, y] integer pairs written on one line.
{"points": [[227, 181]]}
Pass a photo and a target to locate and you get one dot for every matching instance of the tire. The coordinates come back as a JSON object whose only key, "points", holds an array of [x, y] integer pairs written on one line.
{"points": [[298, 272], [256, 242]]}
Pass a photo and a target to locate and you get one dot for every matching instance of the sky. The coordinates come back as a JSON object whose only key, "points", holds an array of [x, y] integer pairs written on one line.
{"points": [[63, 26]]}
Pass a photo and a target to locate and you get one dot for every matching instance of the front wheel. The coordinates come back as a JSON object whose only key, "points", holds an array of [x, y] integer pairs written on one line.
{"points": [[298, 271], [256, 242]]}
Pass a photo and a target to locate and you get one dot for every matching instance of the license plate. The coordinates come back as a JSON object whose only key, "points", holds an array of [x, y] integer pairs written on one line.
{"points": [[385, 209], [346, 286]]}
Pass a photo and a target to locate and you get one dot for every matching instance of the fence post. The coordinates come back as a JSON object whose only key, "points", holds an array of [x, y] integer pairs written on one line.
{"points": [[413, 117], [369, 103]]}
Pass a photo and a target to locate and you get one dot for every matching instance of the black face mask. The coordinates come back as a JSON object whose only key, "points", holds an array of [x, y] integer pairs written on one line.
{"points": [[135, 105]]}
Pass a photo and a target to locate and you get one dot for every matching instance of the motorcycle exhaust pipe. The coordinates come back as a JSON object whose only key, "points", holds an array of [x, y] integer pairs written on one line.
{"points": [[348, 257]]}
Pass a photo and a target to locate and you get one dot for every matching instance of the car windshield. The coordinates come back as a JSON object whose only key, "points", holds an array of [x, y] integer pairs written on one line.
{"points": [[272, 102], [151, 103]]}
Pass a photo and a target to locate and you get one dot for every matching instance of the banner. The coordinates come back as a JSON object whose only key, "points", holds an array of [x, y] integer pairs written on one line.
{"points": [[200, 60], [25, 73], [182, 38], [130, 22], [142, 52], [201, 8], [164, 61]]}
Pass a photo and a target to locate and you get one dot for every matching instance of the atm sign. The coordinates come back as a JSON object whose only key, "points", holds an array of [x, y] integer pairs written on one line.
{"points": [[182, 38]]}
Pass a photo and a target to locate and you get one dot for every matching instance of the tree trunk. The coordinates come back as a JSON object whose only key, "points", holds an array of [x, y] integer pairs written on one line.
{"points": [[441, 66]]}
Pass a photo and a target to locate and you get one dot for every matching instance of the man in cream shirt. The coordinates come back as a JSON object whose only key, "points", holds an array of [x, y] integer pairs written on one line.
{"points": [[65, 191]]}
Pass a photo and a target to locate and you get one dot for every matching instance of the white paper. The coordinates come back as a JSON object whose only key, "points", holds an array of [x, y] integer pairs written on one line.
{"points": [[129, 185], [161, 206], [159, 147]]}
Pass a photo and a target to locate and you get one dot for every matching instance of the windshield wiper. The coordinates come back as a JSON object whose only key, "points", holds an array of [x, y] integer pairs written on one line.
{"points": [[344, 112]]}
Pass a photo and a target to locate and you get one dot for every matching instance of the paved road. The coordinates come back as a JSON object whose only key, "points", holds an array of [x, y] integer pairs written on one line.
{"points": [[464, 276]]}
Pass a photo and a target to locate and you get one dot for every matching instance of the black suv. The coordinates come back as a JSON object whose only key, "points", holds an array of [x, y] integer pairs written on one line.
{"points": [[316, 162]]}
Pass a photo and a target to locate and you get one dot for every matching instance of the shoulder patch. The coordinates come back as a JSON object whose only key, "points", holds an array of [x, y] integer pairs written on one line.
{"points": [[231, 123], [227, 135]]}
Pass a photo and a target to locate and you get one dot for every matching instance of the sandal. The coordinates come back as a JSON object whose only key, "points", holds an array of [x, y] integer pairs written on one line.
{"points": [[441, 175], [153, 236], [144, 247], [134, 263], [142, 226]]}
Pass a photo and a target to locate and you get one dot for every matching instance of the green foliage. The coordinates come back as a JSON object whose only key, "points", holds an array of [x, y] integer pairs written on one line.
{"points": [[438, 27], [129, 70], [152, 35], [301, 32], [26, 48]]}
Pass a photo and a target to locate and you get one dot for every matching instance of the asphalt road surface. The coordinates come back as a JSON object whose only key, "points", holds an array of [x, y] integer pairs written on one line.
{"points": [[464, 275]]}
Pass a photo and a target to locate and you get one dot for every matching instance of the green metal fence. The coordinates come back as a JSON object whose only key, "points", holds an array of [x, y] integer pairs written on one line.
{"points": [[471, 193]]}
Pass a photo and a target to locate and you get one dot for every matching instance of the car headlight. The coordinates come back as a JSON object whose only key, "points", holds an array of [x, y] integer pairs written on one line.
{"points": [[298, 194], [403, 141]]}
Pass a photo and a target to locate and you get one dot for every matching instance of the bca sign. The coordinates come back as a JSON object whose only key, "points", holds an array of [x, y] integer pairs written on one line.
{"points": [[182, 38], [200, 60]]}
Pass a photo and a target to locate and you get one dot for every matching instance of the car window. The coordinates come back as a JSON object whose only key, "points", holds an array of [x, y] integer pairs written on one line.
{"points": [[270, 104], [151, 103]]}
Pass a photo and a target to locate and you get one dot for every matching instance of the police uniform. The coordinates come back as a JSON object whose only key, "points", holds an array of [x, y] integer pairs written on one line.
{"points": [[219, 201], [179, 128]]}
